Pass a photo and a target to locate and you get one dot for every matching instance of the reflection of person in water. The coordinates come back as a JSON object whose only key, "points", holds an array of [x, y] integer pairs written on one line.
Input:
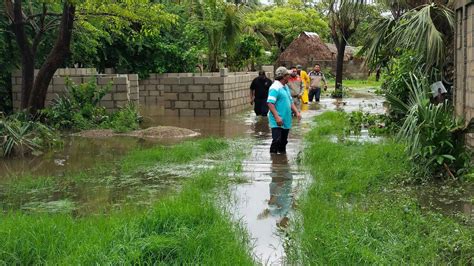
{"points": [[281, 197]]}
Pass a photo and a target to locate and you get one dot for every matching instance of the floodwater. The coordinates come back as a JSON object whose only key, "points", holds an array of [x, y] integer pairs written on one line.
{"points": [[264, 203]]}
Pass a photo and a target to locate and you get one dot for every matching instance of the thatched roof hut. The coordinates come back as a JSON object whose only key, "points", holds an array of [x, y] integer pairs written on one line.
{"points": [[309, 47], [306, 48]]}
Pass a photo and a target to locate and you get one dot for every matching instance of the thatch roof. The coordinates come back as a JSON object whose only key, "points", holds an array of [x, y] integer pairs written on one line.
{"points": [[348, 52], [309, 47]]}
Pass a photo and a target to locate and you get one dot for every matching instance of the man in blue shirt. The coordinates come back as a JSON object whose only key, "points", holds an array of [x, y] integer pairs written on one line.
{"points": [[280, 104]]}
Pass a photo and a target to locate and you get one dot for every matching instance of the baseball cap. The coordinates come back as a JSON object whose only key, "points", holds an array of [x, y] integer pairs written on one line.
{"points": [[299, 67], [281, 72]]}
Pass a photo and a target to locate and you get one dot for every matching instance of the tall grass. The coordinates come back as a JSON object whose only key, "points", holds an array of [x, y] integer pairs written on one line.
{"points": [[352, 215], [181, 153], [188, 228]]}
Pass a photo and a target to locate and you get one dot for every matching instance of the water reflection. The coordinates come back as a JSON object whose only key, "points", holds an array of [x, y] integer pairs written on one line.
{"points": [[281, 196]]}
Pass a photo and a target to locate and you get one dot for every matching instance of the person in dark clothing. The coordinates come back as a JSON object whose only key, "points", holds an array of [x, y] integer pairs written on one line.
{"points": [[259, 93]]}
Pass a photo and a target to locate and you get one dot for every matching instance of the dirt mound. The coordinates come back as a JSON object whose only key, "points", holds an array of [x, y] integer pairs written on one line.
{"points": [[152, 132]]}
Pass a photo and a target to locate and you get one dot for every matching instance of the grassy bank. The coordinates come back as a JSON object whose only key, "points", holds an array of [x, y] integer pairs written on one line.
{"points": [[352, 214], [358, 83], [186, 228]]}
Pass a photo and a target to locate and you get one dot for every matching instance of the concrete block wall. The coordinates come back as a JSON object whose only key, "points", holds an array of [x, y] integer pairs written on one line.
{"points": [[191, 94], [124, 88], [464, 62]]}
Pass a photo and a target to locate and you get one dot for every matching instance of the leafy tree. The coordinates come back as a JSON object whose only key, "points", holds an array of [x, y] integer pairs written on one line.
{"points": [[282, 24], [222, 25], [30, 23]]}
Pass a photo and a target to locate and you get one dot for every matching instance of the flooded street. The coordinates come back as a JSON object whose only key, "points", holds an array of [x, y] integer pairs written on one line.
{"points": [[264, 203]]}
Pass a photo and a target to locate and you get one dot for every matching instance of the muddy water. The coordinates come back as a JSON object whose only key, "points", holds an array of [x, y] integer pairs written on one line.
{"points": [[265, 203]]}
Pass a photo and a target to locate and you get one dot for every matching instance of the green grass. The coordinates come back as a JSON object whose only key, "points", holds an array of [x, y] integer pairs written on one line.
{"points": [[188, 228], [358, 83], [22, 189], [181, 153], [351, 214]]}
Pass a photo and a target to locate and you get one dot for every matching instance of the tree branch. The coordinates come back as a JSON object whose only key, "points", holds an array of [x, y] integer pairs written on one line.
{"points": [[42, 29]]}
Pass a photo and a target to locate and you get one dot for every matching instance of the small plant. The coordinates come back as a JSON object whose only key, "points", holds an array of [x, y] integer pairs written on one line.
{"points": [[434, 136], [126, 119], [376, 124], [78, 109], [19, 135]]}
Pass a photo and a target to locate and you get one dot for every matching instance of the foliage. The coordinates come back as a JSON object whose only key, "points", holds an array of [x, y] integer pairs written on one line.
{"points": [[355, 214], [78, 109], [432, 132], [426, 29], [280, 25], [376, 124], [395, 80], [124, 120], [249, 50], [187, 227], [20, 135]]}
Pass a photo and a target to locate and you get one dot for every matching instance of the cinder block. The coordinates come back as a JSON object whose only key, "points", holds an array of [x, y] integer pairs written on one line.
{"points": [[181, 104], [171, 112], [122, 88], [59, 81], [202, 112], [167, 104], [211, 104], [16, 88], [154, 81], [216, 80], [201, 80], [171, 96], [150, 87], [132, 77], [168, 88], [154, 93], [211, 88], [120, 81], [186, 80], [107, 97], [170, 80], [104, 80], [196, 104], [199, 96], [150, 101], [215, 96], [186, 112], [185, 96], [195, 88], [120, 96], [179, 88]]}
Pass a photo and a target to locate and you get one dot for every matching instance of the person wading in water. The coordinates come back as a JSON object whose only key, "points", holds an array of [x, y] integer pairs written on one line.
{"points": [[259, 93], [280, 104]]}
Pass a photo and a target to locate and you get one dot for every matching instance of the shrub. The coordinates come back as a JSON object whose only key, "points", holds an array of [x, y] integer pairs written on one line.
{"points": [[434, 136], [125, 119], [376, 124], [19, 135], [79, 110]]}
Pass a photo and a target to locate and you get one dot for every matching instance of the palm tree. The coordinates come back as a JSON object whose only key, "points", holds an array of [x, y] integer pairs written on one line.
{"points": [[427, 30], [344, 17], [222, 24]]}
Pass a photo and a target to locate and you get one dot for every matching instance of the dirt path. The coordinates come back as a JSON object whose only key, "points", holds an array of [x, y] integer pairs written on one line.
{"points": [[265, 204]]}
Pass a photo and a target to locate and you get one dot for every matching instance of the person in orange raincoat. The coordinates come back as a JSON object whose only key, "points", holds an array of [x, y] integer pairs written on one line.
{"points": [[304, 76]]}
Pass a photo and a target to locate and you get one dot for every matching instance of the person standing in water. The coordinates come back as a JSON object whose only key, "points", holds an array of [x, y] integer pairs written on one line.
{"points": [[281, 106], [259, 93], [316, 77], [304, 76]]}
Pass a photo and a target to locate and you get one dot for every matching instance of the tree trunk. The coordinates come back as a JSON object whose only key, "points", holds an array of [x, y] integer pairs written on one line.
{"points": [[341, 47], [54, 60], [15, 12]]}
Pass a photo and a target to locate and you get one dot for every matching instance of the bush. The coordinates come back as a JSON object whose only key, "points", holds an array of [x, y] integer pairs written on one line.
{"points": [[376, 124], [19, 135], [79, 110], [434, 136], [126, 119]]}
